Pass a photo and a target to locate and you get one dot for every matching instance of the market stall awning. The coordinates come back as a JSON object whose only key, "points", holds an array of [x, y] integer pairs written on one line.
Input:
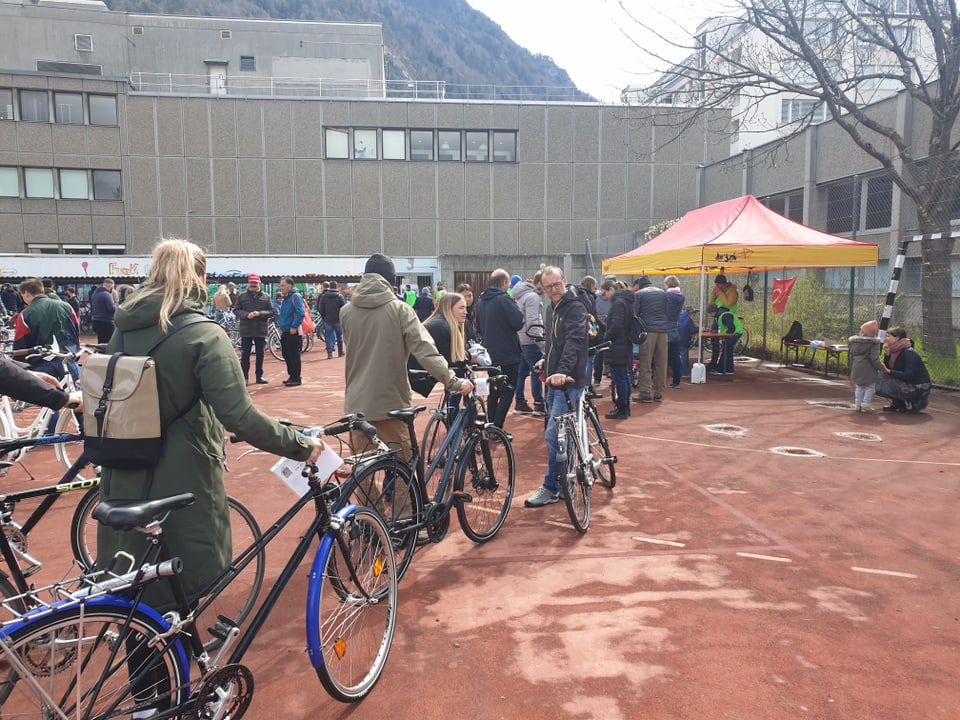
{"points": [[740, 235]]}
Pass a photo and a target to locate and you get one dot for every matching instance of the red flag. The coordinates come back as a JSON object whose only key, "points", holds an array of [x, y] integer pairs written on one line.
{"points": [[781, 293]]}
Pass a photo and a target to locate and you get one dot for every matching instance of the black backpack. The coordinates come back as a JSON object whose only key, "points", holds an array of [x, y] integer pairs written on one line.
{"points": [[795, 333], [636, 328], [589, 302]]}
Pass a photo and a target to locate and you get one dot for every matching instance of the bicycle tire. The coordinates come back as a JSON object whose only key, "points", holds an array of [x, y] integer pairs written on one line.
{"points": [[743, 342], [433, 437], [306, 343], [273, 343], [387, 487], [71, 650], [575, 486], [600, 449], [68, 452], [235, 602], [349, 629], [490, 488]]}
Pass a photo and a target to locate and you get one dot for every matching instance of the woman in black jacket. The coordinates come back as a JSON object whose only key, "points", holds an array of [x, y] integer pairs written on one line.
{"points": [[907, 383], [619, 356]]}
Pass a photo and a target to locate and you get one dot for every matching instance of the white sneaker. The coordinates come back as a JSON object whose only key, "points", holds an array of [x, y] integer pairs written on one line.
{"points": [[540, 498]]}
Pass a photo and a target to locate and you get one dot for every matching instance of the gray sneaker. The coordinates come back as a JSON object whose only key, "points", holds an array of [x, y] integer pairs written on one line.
{"points": [[540, 498]]}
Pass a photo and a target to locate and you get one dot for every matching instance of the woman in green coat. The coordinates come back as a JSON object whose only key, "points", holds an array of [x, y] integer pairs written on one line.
{"points": [[201, 391]]}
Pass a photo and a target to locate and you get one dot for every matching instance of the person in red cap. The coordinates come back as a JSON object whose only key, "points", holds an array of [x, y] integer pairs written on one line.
{"points": [[254, 311]]}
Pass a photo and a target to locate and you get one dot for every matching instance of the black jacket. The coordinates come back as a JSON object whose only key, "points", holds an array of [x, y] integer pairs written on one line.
{"points": [[909, 367], [499, 319], [619, 319], [246, 303], [651, 303], [566, 343], [329, 306], [23, 385], [423, 306]]}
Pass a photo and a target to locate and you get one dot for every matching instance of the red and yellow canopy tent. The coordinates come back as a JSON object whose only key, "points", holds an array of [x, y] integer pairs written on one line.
{"points": [[739, 235], [736, 236]]}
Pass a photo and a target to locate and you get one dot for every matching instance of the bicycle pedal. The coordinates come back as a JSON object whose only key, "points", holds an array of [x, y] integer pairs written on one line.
{"points": [[462, 496], [32, 570], [609, 460]]}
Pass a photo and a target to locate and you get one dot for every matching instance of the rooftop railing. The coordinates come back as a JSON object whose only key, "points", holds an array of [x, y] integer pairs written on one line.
{"points": [[239, 86]]}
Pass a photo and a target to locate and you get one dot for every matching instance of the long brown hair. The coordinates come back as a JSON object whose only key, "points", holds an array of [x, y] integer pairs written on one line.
{"points": [[178, 270]]}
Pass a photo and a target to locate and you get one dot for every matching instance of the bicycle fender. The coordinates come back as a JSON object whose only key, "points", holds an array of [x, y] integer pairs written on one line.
{"points": [[314, 582]]}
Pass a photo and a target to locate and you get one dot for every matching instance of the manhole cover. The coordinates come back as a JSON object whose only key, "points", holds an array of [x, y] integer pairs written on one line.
{"points": [[724, 429], [796, 451], [836, 404], [865, 437]]}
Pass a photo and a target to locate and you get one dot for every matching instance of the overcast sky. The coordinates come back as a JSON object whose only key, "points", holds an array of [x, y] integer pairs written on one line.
{"points": [[595, 41]]}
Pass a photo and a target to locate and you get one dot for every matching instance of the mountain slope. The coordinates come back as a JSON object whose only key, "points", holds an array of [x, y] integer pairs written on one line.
{"points": [[443, 40]]}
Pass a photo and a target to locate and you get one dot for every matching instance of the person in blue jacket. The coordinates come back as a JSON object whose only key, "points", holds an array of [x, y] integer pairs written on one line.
{"points": [[292, 312]]}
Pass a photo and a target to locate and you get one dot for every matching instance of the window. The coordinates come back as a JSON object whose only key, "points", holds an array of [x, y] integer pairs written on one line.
{"points": [[68, 108], [394, 145], [840, 207], [421, 144], [338, 144], [103, 109], [6, 104], [39, 182], [106, 185], [879, 202], [365, 144], [478, 148], [504, 147], [33, 106], [248, 63], [83, 43], [449, 145], [804, 109], [137, 29], [226, 34], [73, 185], [9, 182]]}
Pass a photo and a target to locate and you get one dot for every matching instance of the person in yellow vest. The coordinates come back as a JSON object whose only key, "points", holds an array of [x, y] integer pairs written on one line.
{"points": [[409, 295], [724, 295], [727, 322]]}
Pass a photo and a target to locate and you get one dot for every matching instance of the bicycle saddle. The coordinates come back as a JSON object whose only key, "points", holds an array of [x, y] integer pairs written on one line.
{"points": [[130, 514], [407, 414]]}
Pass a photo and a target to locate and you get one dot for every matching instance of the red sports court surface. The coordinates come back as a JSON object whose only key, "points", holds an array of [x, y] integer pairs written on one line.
{"points": [[719, 579]]}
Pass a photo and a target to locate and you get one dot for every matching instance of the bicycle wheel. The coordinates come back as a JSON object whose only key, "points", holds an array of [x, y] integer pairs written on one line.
{"points": [[92, 660], [236, 594], [273, 343], [306, 343], [742, 343], [351, 617], [488, 479], [83, 529], [386, 486], [234, 602], [433, 438], [575, 485], [600, 449], [67, 452]]}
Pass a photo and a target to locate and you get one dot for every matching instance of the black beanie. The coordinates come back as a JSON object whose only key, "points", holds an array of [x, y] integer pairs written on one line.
{"points": [[383, 266]]}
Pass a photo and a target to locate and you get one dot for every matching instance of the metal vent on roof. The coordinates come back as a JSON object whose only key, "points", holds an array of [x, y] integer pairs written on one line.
{"points": [[138, 29], [70, 68], [83, 42], [248, 62], [226, 34]]}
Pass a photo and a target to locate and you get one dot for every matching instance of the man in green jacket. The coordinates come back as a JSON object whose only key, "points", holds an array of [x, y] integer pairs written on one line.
{"points": [[380, 332]]}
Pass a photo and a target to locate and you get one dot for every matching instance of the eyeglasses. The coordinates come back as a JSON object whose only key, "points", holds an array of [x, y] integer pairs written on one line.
{"points": [[552, 286]]}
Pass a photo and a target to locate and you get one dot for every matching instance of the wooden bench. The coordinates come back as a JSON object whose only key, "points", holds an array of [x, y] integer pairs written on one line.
{"points": [[832, 353]]}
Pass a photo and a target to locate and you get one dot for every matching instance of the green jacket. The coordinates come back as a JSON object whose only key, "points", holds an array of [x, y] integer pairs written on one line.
{"points": [[380, 333], [197, 368]]}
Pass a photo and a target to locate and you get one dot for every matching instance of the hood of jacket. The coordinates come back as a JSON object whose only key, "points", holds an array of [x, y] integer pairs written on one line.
{"points": [[146, 312], [523, 288], [491, 293], [373, 291]]}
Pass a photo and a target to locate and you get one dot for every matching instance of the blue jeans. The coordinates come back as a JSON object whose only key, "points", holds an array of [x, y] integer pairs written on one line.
{"points": [[674, 361], [531, 356], [556, 405], [332, 333], [620, 377]]}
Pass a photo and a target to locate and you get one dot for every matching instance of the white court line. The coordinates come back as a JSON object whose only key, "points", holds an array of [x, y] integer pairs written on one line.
{"points": [[656, 541], [774, 558], [874, 571]]}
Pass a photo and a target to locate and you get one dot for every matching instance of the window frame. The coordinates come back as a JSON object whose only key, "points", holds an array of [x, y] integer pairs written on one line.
{"points": [[453, 139], [77, 105], [118, 197], [25, 94], [499, 135], [14, 172], [65, 173], [31, 176], [364, 144], [8, 111], [417, 153], [92, 114], [393, 134], [336, 132], [474, 151]]}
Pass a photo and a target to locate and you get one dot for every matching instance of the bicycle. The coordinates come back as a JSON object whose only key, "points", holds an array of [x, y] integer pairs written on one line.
{"points": [[579, 437], [99, 651], [273, 341], [14, 539], [477, 477]]}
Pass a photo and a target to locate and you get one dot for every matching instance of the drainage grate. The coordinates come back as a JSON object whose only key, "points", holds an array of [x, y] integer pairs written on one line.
{"points": [[796, 451], [865, 437], [724, 429]]}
